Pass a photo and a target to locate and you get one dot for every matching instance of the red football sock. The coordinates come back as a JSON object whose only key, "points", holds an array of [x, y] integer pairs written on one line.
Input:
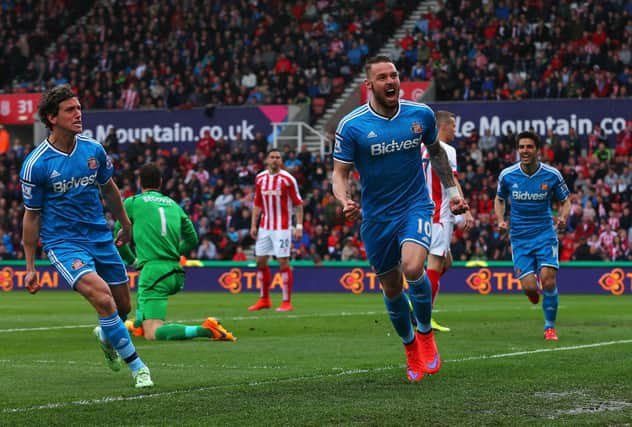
{"points": [[433, 276], [265, 278], [288, 279]]}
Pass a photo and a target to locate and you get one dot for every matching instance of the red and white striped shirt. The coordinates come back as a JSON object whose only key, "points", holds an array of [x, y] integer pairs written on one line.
{"points": [[276, 195], [436, 191], [130, 98]]}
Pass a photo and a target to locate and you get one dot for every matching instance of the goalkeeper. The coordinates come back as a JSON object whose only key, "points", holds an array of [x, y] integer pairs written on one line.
{"points": [[161, 232]]}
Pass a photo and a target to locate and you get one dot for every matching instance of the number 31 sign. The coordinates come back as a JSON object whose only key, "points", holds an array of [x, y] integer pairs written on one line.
{"points": [[18, 109]]}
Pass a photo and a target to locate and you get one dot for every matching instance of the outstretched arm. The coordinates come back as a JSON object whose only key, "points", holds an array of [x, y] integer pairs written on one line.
{"points": [[340, 178], [441, 166]]}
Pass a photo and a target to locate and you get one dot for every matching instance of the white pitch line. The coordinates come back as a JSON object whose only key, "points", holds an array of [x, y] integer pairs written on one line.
{"points": [[236, 318], [47, 328], [272, 316], [55, 405], [543, 350]]}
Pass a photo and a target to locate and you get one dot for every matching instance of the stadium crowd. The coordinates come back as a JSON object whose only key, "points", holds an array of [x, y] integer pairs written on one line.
{"points": [[165, 54], [215, 187], [159, 53], [522, 50]]}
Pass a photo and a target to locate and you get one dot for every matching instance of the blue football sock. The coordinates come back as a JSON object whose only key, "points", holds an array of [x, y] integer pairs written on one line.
{"points": [[550, 302], [116, 333], [420, 292], [399, 313], [191, 331]]}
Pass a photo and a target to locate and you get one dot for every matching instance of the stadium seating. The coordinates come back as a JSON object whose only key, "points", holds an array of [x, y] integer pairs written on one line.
{"points": [[512, 47]]}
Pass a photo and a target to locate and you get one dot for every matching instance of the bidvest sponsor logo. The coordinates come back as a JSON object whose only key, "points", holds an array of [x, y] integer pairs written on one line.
{"points": [[382, 148], [525, 195], [69, 184]]}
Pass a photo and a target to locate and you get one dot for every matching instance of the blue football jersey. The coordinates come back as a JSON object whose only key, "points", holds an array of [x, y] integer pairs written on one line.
{"points": [[64, 187], [386, 152], [530, 199]]}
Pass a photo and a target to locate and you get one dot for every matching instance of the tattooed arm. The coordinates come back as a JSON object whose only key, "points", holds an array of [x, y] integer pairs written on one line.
{"points": [[441, 166]]}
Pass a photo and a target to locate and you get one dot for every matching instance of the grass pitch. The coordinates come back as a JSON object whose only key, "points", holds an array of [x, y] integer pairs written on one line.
{"points": [[333, 361]]}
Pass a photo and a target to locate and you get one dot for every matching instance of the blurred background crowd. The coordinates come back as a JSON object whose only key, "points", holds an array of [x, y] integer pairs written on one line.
{"points": [[137, 54]]}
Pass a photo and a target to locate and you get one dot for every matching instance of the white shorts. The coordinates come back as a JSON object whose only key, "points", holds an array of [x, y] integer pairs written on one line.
{"points": [[274, 242], [441, 237]]}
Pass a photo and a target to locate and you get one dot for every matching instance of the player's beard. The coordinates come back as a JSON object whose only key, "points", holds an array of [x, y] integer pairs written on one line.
{"points": [[529, 164], [386, 102]]}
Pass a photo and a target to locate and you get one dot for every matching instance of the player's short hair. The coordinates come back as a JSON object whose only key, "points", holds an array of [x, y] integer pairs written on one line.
{"points": [[272, 150], [150, 176], [527, 134], [49, 105], [444, 116], [375, 60]]}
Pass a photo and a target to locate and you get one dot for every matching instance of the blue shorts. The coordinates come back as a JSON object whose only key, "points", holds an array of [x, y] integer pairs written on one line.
{"points": [[73, 260], [383, 240], [529, 256]]}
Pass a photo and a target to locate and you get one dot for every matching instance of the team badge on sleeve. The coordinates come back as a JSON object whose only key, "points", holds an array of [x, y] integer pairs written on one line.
{"points": [[26, 191], [108, 163], [337, 147], [92, 163]]}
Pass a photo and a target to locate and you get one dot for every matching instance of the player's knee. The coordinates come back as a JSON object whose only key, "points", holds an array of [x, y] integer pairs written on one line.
{"points": [[548, 283], [412, 270], [104, 303], [447, 264], [529, 283]]}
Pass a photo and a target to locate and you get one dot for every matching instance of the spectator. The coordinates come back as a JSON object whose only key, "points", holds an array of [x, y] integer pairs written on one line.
{"points": [[207, 250], [206, 144], [602, 153], [569, 246], [583, 252], [5, 139], [111, 143], [224, 200], [606, 238], [291, 161], [239, 254]]}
